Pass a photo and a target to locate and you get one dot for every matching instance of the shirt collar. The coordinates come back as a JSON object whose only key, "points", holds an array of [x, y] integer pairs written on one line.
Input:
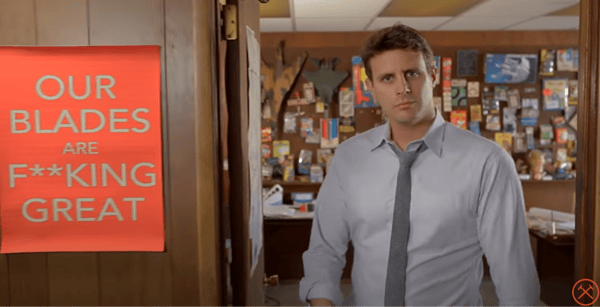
{"points": [[433, 138]]}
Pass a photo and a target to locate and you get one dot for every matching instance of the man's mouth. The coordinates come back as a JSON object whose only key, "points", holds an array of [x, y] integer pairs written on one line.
{"points": [[405, 104]]}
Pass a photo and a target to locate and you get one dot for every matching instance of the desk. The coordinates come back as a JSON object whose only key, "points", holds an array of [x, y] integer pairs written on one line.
{"points": [[286, 239], [555, 262]]}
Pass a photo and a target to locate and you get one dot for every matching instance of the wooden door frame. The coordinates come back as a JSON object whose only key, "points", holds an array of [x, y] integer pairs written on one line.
{"points": [[588, 156], [248, 288], [192, 128]]}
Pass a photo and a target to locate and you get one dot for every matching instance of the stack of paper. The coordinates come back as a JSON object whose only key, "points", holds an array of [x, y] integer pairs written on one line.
{"points": [[541, 219]]}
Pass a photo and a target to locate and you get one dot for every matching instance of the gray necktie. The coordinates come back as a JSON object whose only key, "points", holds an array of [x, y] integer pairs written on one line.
{"points": [[395, 284]]}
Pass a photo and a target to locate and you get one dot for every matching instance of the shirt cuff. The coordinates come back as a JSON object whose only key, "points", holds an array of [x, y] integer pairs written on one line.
{"points": [[326, 291]]}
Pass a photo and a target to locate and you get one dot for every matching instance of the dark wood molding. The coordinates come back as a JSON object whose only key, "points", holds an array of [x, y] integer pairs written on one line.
{"points": [[181, 126], [237, 144], [587, 159], [247, 288], [436, 38], [207, 158]]}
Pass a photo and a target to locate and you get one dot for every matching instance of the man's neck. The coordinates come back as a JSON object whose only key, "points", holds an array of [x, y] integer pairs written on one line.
{"points": [[402, 135]]}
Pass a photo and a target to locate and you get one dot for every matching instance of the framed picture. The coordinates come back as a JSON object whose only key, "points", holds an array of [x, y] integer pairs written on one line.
{"points": [[510, 68], [467, 63]]}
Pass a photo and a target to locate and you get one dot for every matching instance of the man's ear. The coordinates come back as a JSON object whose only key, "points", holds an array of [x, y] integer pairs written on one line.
{"points": [[369, 85]]}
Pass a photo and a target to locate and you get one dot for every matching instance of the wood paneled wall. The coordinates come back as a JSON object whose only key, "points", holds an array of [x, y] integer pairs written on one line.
{"points": [[188, 272], [344, 45]]}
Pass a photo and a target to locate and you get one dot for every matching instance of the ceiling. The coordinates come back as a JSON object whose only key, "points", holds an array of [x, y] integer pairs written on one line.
{"points": [[423, 15]]}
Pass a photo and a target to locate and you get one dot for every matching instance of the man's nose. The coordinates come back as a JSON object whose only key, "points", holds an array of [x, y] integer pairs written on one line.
{"points": [[402, 86]]}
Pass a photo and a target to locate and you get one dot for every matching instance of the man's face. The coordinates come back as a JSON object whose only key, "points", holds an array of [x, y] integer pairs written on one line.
{"points": [[402, 86]]}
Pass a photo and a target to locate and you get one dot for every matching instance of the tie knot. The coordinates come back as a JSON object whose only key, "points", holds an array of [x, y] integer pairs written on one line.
{"points": [[408, 157]]}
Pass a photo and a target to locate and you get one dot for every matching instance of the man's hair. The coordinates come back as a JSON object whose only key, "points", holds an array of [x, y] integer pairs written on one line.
{"points": [[398, 36]]}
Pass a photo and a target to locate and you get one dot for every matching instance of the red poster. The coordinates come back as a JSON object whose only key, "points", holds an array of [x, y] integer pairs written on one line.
{"points": [[81, 154]]}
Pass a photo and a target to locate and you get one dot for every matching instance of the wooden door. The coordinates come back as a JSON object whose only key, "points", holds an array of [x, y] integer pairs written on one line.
{"points": [[247, 285], [188, 271]]}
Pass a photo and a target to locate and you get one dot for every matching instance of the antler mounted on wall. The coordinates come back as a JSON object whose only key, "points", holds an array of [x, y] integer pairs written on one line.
{"points": [[278, 80]]}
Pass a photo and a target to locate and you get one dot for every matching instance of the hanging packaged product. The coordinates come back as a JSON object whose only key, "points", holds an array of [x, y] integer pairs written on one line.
{"points": [[504, 140], [559, 121], [492, 122], [567, 59], [266, 134], [288, 169], [265, 151], [555, 93], [459, 118], [466, 63], [489, 103], [281, 148], [520, 143], [316, 173], [346, 112], [306, 126], [329, 133], [476, 113], [447, 84], [514, 98], [475, 127], [510, 120], [346, 102], [473, 89], [530, 112], [319, 106], [314, 137], [530, 139], [547, 57], [304, 161], [561, 132], [289, 122], [267, 171], [347, 125], [309, 92], [364, 98], [573, 92], [572, 148], [323, 156], [562, 135], [459, 92], [546, 134], [501, 93]]}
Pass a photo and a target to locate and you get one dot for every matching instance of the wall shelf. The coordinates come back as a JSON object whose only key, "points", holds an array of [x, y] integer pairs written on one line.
{"points": [[290, 183]]}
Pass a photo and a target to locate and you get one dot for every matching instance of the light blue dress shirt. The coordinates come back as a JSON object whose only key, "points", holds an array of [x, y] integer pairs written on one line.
{"points": [[466, 201]]}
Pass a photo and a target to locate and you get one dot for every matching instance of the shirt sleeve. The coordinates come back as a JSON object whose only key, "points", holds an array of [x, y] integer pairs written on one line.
{"points": [[325, 258], [503, 233]]}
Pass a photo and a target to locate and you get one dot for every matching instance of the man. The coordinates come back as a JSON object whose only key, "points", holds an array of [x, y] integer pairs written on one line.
{"points": [[419, 228]]}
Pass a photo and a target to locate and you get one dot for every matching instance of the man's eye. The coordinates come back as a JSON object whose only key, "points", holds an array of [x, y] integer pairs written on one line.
{"points": [[387, 78], [412, 74]]}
